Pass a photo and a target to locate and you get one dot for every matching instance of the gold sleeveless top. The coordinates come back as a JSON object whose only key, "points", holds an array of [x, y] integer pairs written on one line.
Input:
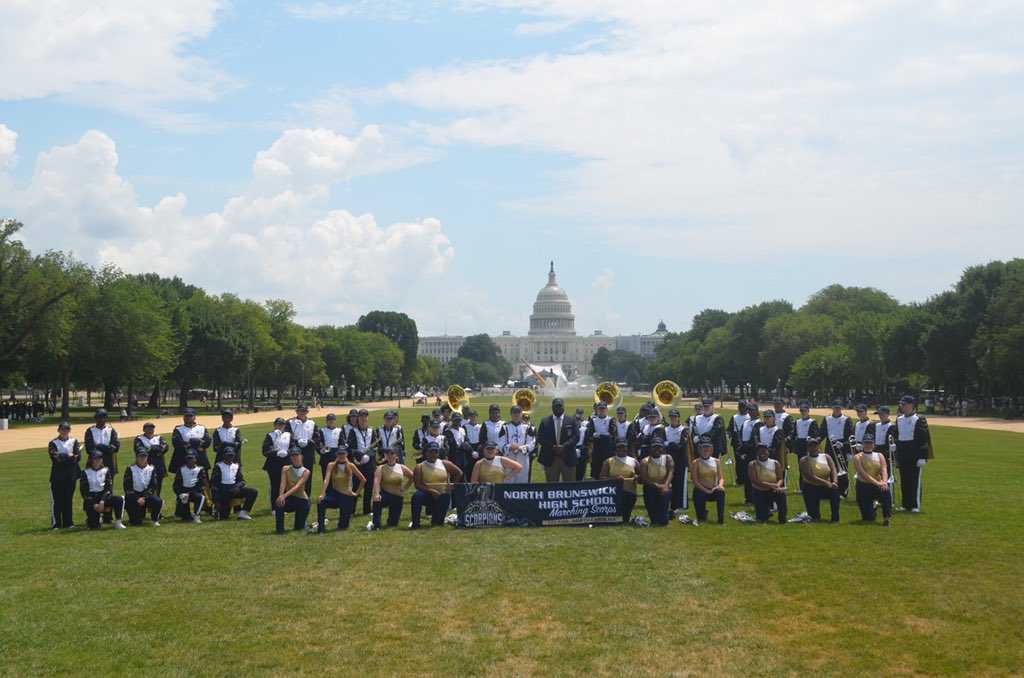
{"points": [[291, 480], [625, 467], [341, 478], [819, 467], [492, 471], [707, 474], [872, 466], [392, 479], [655, 471], [765, 474], [434, 476]]}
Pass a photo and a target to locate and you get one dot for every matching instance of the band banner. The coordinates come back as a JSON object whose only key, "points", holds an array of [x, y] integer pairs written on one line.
{"points": [[594, 502]]}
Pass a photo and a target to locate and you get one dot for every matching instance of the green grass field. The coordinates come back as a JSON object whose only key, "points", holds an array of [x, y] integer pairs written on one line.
{"points": [[935, 594]]}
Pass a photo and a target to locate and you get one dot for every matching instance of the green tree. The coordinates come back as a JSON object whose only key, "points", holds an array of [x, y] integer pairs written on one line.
{"points": [[399, 328], [428, 371], [790, 335], [824, 370], [489, 365], [387, 360]]}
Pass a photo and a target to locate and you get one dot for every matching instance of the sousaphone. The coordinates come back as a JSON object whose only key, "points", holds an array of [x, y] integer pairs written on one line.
{"points": [[526, 398], [609, 393], [457, 398], [666, 394]]}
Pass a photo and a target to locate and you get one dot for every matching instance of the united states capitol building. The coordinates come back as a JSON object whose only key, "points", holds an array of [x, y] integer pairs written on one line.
{"points": [[552, 339]]}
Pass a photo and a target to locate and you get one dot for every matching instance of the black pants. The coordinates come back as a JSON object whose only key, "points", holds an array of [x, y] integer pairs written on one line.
{"points": [[394, 503], [581, 465], [743, 459], [368, 470], [92, 517], [682, 465], [346, 505], [700, 504], [910, 481], [309, 461], [62, 497], [867, 493], [224, 495], [182, 508], [627, 502], [763, 500], [656, 502], [813, 496], [137, 513], [159, 470], [326, 458], [602, 451], [297, 505], [437, 508], [273, 468]]}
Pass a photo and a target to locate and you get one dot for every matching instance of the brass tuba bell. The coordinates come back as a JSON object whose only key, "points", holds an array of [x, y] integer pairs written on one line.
{"points": [[457, 398], [666, 394], [609, 393], [526, 398]]}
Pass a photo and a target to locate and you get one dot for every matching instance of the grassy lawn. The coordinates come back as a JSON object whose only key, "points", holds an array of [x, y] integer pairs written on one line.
{"points": [[936, 594]]}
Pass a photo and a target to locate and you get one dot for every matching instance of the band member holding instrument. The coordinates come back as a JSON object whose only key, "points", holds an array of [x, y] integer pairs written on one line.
{"points": [[913, 450], [434, 434], [709, 423], [624, 467], [227, 434], [863, 427], [872, 482], [391, 435], [157, 448], [517, 443], [656, 471], [749, 439], [140, 491], [651, 430], [433, 478], [291, 492], [768, 480], [677, 446], [332, 435], [337, 491], [819, 480], [804, 430], [389, 485], [736, 422], [306, 435], [456, 446], [599, 437], [885, 442], [708, 481], [97, 487], [363, 448], [772, 436], [494, 469], [420, 434], [838, 428], [103, 437], [65, 453], [189, 483], [228, 484], [783, 419], [189, 435]]}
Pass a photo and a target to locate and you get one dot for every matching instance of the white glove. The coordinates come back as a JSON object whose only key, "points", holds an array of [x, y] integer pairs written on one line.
{"points": [[921, 463], [303, 443], [849, 457], [282, 453], [892, 448], [183, 497], [858, 447], [364, 459], [476, 455]]}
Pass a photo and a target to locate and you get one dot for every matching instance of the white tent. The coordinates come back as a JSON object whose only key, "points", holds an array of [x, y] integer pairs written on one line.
{"points": [[419, 394], [547, 371]]}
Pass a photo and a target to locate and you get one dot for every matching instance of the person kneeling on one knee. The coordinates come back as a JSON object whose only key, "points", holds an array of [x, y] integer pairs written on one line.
{"points": [[97, 485], [189, 482], [228, 484], [768, 480], [292, 497], [140, 480]]}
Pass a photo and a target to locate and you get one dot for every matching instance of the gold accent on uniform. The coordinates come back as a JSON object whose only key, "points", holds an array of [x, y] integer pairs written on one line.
{"points": [[667, 393], [609, 393], [526, 398]]}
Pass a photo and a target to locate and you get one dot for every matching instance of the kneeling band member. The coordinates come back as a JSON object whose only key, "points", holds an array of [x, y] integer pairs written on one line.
{"points": [[189, 482], [768, 479], [97, 487], [389, 485], [291, 494], [337, 492], [492, 468], [819, 480], [228, 485], [708, 484], [623, 467], [140, 490], [656, 471], [433, 479], [872, 482]]}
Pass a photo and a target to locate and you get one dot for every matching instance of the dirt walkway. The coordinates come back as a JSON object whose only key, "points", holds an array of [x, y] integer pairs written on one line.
{"points": [[40, 436]]}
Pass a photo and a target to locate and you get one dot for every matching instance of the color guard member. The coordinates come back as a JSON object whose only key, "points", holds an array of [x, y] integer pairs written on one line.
{"points": [[656, 471], [768, 480], [337, 491], [624, 467], [708, 481], [389, 485], [819, 479], [492, 468], [872, 483], [433, 479], [291, 492]]}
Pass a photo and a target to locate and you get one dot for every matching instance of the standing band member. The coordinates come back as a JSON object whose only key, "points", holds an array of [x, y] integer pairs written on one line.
{"points": [[709, 423], [456, 445], [736, 422], [104, 438], [913, 450], [433, 479], [838, 428], [804, 429], [625, 468], [391, 435], [622, 429], [769, 489], [157, 448], [276, 446], [97, 486], [363, 448], [337, 491], [494, 469], [600, 437], [64, 454], [863, 427], [189, 482], [656, 470], [305, 435], [291, 492], [140, 491], [677, 444], [227, 435], [389, 485], [872, 483], [708, 481], [749, 439], [473, 428], [334, 438], [819, 480], [516, 443], [189, 435], [227, 485]]}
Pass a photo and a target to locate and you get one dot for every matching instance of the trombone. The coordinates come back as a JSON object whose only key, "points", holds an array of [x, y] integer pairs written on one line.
{"points": [[891, 458]]}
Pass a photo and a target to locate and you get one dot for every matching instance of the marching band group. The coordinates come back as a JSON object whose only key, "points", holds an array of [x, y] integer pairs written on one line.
{"points": [[656, 458]]}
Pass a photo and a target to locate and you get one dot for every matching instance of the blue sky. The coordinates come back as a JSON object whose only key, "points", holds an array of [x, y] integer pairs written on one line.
{"points": [[432, 157]]}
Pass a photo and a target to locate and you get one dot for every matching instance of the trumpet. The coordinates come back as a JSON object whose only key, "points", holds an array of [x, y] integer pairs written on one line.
{"points": [[525, 398], [609, 393], [457, 398], [666, 394]]}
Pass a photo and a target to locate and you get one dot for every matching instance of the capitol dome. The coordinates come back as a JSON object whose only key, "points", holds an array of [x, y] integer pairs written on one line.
{"points": [[552, 312]]}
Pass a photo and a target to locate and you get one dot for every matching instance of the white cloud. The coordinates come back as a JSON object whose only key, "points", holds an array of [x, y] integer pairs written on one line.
{"points": [[128, 56], [604, 281], [389, 10], [282, 237], [8, 146]]}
